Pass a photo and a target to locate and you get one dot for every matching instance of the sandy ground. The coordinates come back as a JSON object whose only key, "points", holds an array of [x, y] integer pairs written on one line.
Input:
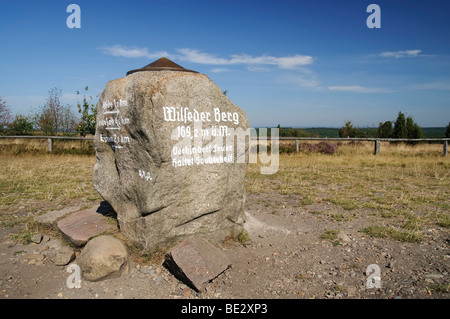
{"points": [[284, 258]]}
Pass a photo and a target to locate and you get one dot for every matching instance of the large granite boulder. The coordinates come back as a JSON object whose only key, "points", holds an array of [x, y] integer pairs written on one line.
{"points": [[171, 151]]}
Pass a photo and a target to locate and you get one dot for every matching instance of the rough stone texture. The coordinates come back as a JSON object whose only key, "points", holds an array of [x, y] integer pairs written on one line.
{"points": [[80, 226], [63, 256], [50, 218], [36, 238], [158, 204], [103, 257], [343, 237], [196, 262]]}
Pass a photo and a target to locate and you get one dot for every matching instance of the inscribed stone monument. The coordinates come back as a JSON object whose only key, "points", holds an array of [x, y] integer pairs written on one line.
{"points": [[171, 151]]}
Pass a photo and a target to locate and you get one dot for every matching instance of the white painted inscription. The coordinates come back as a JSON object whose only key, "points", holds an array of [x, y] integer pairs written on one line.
{"points": [[192, 135], [113, 122], [185, 115], [146, 175]]}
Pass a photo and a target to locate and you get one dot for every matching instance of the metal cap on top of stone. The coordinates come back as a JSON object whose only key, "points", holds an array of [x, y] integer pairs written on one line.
{"points": [[171, 154], [162, 64]]}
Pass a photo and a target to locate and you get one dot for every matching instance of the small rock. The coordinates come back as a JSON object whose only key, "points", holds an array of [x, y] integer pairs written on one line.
{"points": [[63, 256], [103, 257], [35, 259], [343, 237], [36, 238], [434, 276]]}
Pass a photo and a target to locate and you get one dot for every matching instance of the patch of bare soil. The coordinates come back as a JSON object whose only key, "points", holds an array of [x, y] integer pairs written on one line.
{"points": [[286, 256]]}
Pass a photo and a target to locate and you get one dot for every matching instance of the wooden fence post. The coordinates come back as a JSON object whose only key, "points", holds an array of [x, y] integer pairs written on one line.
{"points": [[376, 149], [296, 146], [445, 148], [49, 145]]}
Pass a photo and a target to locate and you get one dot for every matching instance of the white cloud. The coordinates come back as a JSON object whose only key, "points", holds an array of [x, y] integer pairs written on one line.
{"points": [[307, 80], [358, 89], [257, 68], [199, 57], [294, 61], [133, 52], [401, 54], [219, 70], [195, 56], [288, 62]]}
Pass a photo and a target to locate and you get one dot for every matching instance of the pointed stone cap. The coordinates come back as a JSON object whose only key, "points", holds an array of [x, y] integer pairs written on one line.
{"points": [[162, 64]]}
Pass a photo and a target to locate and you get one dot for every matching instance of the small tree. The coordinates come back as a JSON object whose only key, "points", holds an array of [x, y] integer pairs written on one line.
{"points": [[413, 129], [54, 117], [385, 130], [88, 115], [400, 130], [447, 131], [5, 115], [21, 125], [48, 117], [348, 130]]}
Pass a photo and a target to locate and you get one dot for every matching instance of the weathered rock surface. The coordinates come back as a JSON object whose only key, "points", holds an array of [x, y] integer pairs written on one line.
{"points": [[63, 256], [50, 218], [80, 226], [196, 262], [103, 257], [162, 158], [36, 238]]}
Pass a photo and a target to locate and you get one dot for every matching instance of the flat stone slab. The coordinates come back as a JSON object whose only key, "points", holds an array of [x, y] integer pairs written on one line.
{"points": [[196, 262], [50, 218], [80, 226]]}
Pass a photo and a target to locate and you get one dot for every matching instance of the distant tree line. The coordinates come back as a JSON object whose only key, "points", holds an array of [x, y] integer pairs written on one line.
{"points": [[52, 118], [294, 132], [403, 127]]}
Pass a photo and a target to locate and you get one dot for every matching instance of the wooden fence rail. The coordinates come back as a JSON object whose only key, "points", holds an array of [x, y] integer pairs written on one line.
{"points": [[49, 139], [376, 141]]}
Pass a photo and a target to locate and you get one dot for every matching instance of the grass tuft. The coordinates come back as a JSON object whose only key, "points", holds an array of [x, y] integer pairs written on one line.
{"points": [[388, 232]]}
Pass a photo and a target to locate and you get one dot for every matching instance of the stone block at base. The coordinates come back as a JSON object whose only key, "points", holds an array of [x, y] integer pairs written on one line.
{"points": [[196, 262], [51, 218], [80, 226]]}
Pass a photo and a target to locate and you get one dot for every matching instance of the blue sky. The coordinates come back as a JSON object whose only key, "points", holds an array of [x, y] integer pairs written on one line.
{"points": [[293, 63]]}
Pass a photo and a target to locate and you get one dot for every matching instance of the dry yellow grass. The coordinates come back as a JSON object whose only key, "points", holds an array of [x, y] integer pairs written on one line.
{"points": [[32, 182], [408, 186], [17, 146]]}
